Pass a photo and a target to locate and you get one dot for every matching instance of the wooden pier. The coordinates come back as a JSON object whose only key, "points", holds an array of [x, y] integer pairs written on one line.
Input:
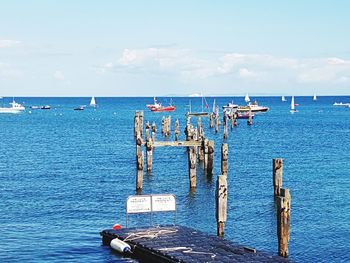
{"points": [[183, 244]]}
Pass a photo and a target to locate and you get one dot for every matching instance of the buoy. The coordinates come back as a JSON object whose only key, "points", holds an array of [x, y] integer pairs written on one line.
{"points": [[120, 246], [116, 227]]}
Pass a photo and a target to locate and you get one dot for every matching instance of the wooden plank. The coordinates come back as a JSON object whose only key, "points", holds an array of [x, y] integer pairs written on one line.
{"points": [[176, 143]]}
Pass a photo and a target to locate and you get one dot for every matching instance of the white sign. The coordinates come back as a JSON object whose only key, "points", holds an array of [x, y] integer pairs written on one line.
{"points": [[138, 204], [163, 203]]}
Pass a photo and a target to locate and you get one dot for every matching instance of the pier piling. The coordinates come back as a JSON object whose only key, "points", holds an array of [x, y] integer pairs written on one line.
{"points": [[192, 161], [277, 169], [283, 221], [224, 159], [221, 204]]}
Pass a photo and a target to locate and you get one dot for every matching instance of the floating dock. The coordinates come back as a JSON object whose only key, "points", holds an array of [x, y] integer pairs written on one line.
{"points": [[183, 244]]}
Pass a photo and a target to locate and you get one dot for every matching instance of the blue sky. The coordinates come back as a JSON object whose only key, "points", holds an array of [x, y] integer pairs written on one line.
{"points": [[154, 48]]}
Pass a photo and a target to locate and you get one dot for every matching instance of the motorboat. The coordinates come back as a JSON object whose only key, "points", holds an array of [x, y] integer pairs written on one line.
{"points": [[80, 108], [253, 107], [45, 107], [15, 108], [157, 107], [230, 107], [341, 104]]}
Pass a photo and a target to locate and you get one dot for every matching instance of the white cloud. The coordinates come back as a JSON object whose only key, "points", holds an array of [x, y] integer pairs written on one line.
{"points": [[245, 73], [58, 75], [188, 65], [6, 43]]}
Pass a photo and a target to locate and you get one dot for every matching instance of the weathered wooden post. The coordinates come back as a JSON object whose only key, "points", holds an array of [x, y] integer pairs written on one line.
{"points": [[283, 221], [201, 139], [147, 131], [250, 118], [232, 119], [139, 177], [149, 148], [221, 204], [177, 130], [192, 160], [224, 159], [168, 126], [211, 116], [141, 123], [205, 144], [277, 170], [225, 125], [216, 123], [163, 125], [154, 129], [210, 165], [136, 124]]}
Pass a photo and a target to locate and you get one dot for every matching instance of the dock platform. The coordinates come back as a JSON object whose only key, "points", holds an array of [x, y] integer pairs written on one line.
{"points": [[184, 244]]}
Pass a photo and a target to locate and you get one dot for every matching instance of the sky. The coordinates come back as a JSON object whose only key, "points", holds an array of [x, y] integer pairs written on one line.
{"points": [[174, 48]]}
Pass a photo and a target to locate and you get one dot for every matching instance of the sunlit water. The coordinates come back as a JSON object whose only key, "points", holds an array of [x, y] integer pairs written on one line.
{"points": [[65, 175]]}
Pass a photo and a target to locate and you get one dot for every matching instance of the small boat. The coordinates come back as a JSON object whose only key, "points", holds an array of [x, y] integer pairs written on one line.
{"points": [[93, 102], [45, 107], [157, 107], [341, 104], [35, 107], [80, 108], [292, 106], [169, 108], [15, 108], [253, 107], [283, 98], [246, 98], [314, 98]]}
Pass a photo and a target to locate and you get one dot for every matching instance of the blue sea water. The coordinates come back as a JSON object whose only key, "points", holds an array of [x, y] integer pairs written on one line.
{"points": [[65, 176]]}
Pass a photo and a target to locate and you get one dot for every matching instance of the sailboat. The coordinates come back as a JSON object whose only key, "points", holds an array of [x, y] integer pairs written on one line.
{"points": [[93, 102], [246, 98], [292, 105], [314, 98], [283, 98]]}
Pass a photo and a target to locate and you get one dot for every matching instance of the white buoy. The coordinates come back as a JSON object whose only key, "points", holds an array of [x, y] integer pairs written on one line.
{"points": [[120, 246]]}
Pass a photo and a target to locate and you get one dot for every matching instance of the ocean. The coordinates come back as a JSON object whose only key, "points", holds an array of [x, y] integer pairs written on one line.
{"points": [[65, 176]]}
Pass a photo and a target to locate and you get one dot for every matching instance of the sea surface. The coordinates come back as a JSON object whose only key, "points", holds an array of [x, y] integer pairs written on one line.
{"points": [[65, 176]]}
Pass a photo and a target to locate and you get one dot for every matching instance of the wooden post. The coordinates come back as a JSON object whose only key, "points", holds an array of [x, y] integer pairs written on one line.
{"points": [[205, 144], [163, 125], [221, 204], [232, 118], [147, 131], [192, 159], [283, 221], [210, 157], [250, 118], [211, 125], [216, 123], [225, 125], [168, 126], [277, 170], [139, 177], [149, 148], [224, 159], [154, 129], [141, 122], [136, 124], [177, 130]]}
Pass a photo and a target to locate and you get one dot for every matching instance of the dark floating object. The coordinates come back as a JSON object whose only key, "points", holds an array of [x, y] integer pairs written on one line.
{"points": [[80, 108]]}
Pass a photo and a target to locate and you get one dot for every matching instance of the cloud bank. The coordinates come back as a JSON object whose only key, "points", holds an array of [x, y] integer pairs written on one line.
{"points": [[263, 68]]}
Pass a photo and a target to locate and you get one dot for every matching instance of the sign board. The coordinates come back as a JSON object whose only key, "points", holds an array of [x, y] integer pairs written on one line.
{"points": [[138, 204], [163, 203]]}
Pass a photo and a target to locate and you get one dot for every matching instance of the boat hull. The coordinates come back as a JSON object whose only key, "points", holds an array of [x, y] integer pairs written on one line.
{"points": [[163, 109]]}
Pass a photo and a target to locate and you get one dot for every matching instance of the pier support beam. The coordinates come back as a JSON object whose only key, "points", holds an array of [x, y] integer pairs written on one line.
{"points": [[149, 148], [225, 126], [224, 159], [210, 157], [283, 221], [221, 204], [277, 170], [192, 161], [139, 177], [177, 130], [250, 118]]}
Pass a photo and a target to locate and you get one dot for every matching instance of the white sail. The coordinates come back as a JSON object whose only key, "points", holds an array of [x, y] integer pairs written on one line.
{"points": [[246, 98], [292, 106], [93, 102], [283, 98], [314, 98]]}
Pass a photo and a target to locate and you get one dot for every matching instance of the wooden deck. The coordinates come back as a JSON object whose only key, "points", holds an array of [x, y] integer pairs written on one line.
{"points": [[183, 244]]}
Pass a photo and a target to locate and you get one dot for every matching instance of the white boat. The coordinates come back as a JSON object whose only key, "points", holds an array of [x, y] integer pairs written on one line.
{"points": [[230, 108], [341, 104], [93, 102], [246, 98], [15, 108], [253, 107], [283, 98], [292, 105], [314, 98]]}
